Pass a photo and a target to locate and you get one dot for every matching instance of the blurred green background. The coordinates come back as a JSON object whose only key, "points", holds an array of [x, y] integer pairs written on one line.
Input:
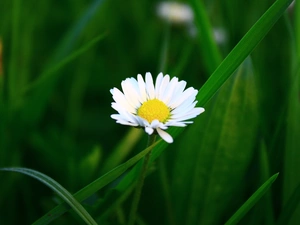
{"points": [[58, 61]]}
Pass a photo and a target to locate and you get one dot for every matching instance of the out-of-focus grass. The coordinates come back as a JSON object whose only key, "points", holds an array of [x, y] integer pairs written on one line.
{"points": [[55, 110]]}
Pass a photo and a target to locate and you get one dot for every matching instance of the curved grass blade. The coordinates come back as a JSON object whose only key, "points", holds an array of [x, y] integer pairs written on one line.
{"points": [[58, 189], [93, 187], [48, 73], [74, 33], [251, 201], [42, 87], [242, 50], [290, 207]]}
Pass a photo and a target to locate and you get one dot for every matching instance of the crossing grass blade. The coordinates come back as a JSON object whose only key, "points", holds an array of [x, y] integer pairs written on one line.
{"points": [[251, 201], [290, 208], [49, 73], [92, 188], [242, 50], [58, 189]]}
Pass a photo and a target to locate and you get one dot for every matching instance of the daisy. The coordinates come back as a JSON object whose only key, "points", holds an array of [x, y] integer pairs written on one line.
{"points": [[155, 106], [175, 12]]}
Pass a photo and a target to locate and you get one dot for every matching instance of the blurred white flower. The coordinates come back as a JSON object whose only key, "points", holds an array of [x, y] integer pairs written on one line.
{"points": [[175, 12], [220, 35], [155, 106]]}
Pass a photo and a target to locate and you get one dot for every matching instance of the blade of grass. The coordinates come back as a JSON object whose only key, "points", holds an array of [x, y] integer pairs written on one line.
{"points": [[242, 50], [48, 73], [183, 60], [214, 143], [42, 88], [290, 214], [208, 46], [58, 189], [251, 201], [164, 50], [1, 71], [265, 173], [36, 103], [13, 62], [72, 36], [93, 187], [289, 208], [297, 28], [122, 150], [291, 154]]}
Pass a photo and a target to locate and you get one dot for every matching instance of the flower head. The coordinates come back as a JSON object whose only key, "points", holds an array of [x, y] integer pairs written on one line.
{"points": [[175, 12], [155, 106]]}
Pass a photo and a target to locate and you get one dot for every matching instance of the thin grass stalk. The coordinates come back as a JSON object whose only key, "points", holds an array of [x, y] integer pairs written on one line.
{"points": [[140, 183]]}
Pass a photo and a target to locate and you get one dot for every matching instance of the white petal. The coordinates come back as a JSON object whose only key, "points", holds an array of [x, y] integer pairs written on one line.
{"points": [[122, 120], [154, 124], [164, 135], [169, 92], [130, 92], [150, 86], [158, 83], [188, 93], [190, 115], [164, 83], [112, 91], [162, 126], [135, 89], [184, 108], [176, 123], [149, 130], [177, 93], [142, 88], [120, 99]]}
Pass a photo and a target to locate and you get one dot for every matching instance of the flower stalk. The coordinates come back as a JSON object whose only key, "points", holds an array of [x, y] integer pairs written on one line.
{"points": [[140, 182]]}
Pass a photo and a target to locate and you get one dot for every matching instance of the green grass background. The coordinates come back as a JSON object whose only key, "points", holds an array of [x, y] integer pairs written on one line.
{"points": [[59, 59]]}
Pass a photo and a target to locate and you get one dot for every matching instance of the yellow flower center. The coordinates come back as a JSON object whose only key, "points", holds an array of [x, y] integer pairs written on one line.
{"points": [[154, 109]]}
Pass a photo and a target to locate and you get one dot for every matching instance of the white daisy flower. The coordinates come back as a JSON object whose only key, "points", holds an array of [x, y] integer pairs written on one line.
{"points": [[155, 106], [175, 12]]}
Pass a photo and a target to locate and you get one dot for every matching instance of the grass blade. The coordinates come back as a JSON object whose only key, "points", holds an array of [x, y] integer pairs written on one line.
{"points": [[211, 54], [58, 189], [48, 73], [13, 73], [290, 208], [251, 201], [218, 139], [242, 50], [93, 187]]}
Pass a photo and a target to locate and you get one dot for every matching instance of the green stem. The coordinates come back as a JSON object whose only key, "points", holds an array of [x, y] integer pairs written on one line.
{"points": [[140, 182], [165, 189]]}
